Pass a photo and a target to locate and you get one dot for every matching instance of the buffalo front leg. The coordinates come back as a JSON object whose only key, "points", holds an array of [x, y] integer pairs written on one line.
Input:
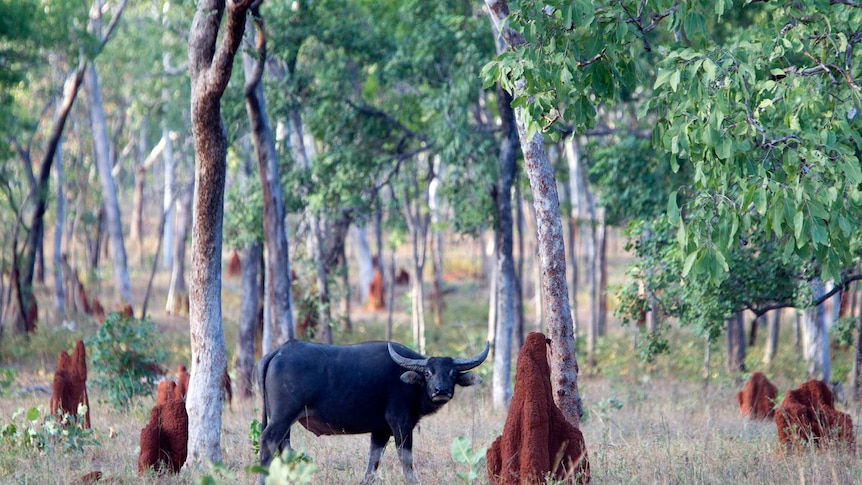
{"points": [[405, 456], [378, 444]]}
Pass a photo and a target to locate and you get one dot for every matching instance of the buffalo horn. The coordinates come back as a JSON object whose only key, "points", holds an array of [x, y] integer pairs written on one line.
{"points": [[411, 364], [466, 364]]}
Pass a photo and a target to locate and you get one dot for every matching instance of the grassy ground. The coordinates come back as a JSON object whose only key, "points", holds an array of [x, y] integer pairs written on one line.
{"points": [[656, 423]]}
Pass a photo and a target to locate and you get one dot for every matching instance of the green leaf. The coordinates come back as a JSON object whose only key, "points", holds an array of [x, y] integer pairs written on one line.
{"points": [[689, 261], [760, 200], [675, 79], [672, 208], [33, 414], [797, 224], [662, 77]]}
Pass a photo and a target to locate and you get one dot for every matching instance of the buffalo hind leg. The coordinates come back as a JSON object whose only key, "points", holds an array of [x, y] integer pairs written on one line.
{"points": [[274, 438], [378, 444]]}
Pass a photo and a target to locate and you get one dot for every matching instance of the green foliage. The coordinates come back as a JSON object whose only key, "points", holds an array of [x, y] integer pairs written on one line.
{"points": [[463, 453], [124, 355], [843, 331], [291, 467], [7, 378], [602, 409], [255, 428], [243, 215], [36, 430]]}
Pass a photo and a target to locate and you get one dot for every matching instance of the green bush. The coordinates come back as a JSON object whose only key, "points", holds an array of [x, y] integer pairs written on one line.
{"points": [[36, 430], [124, 355]]}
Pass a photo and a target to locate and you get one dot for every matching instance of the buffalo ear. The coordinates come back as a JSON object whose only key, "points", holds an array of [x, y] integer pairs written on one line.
{"points": [[411, 377], [467, 379]]}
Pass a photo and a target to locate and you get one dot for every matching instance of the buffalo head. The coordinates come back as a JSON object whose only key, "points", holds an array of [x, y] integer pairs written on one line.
{"points": [[439, 374]]}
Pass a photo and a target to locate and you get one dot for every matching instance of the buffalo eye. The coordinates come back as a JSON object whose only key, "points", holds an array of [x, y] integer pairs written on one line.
{"points": [[427, 374]]}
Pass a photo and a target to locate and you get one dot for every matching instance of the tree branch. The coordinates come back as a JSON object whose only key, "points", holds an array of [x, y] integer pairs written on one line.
{"points": [[849, 3]]}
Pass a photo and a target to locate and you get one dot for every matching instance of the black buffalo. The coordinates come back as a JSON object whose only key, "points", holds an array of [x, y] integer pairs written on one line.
{"points": [[380, 388]]}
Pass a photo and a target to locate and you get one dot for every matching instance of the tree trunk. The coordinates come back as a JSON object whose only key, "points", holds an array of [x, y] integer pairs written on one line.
{"points": [[493, 296], [274, 225], [436, 239], [502, 383], [210, 63], [519, 277], [109, 187], [564, 364], [249, 314], [815, 337], [136, 228], [346, 324], [59, 220], [415, 210], [168, 201], [857, 363], [364, 260], [771, 345], [178, 293], [303, 150], [735, 360], [602, 272]]}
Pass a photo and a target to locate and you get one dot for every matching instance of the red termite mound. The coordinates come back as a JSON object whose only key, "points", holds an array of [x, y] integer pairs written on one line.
{"points": [[757, 398], [375, 291], [182, 381], [69, 388], [537, 441], [807, 416], [234, 265], [164, 440]]}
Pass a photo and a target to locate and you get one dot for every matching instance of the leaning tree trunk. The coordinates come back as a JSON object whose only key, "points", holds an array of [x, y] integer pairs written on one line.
{"points": [[564, 364], [210, 63], [274, 225], [502, 382], [109, 187], [23, 284]]}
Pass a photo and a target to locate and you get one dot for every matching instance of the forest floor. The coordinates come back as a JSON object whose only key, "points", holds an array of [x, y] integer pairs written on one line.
{"points": [[645, 423]]}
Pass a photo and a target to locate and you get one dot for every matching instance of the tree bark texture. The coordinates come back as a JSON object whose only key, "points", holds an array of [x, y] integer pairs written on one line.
{"points": [[502, 382], [274, 224], [564, 364], [210, 64]]}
